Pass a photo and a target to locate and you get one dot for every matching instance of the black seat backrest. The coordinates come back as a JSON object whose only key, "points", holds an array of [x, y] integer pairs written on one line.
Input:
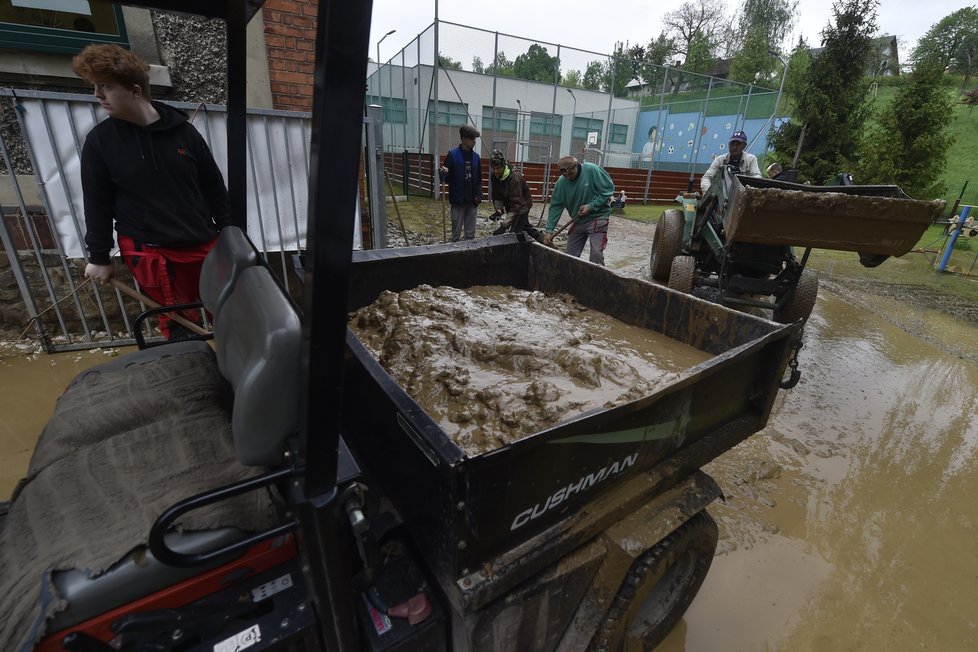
{"points": [[258, 336], [232, 253]]}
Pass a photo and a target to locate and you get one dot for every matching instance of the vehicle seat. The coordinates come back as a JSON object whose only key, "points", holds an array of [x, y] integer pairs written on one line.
{"points": [[232, 254], [258, 337], [259, 340]]}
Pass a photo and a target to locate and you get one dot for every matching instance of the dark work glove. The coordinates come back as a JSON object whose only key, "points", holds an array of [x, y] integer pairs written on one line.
{"points": [[495, 216]]}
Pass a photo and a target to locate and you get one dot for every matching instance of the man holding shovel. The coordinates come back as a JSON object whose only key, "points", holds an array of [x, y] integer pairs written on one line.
{"points": [[510, 195], [584, 190], [148, 170]]}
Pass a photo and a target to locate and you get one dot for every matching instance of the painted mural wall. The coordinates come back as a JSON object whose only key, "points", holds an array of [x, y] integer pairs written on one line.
{"points": [[676, 141]]}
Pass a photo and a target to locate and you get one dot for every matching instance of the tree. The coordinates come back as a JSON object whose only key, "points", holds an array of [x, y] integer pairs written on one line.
{"points": [[965, 61], [945, 39], [695, 29], [449, 63], [650, 61], [618, 71], [572, 79], [761, 28], [592, 76], [477, 65], [699, 58], [829, 103], [536, 64], [702, 19], [908, 145], [501, 66]]}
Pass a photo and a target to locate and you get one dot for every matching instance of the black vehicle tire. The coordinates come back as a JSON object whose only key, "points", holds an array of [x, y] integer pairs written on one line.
{"points": [[802, 300], [681, 273], [666, 243], [658, 588]]}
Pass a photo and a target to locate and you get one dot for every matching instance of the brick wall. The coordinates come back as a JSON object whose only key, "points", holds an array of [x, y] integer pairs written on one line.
{"points": [[290, 39]]}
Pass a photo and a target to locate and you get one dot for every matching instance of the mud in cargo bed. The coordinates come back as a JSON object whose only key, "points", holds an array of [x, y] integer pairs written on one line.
{"points": [[465, 510]]}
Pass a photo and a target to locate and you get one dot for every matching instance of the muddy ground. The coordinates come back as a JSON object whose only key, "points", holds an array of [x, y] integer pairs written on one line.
{"points": [[850, 522]]}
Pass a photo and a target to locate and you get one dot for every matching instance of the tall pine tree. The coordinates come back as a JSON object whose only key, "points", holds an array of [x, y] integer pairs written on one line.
{"points": [[830, 101], [908, 144]]}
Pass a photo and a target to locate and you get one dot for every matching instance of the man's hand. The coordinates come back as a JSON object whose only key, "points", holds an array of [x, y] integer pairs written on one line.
{"points": [[443, 170], [548, 238], [584, 210], [495, 216], [98, 273]]}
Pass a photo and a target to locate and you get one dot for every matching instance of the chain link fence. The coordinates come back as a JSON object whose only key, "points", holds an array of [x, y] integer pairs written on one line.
{"points": [[537, 101]]}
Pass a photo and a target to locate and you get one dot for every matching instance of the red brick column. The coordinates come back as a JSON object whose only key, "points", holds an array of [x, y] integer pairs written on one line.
{"points": [[290, 39]]}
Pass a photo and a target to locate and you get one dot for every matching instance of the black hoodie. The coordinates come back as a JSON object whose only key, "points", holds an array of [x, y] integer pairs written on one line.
{"points": [[159, 183]]}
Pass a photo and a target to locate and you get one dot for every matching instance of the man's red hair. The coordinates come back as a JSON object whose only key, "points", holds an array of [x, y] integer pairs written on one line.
{"points": [[107, 62]]}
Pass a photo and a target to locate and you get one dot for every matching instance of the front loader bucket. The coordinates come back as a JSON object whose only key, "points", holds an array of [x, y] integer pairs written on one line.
{"points": [[866, 219]]}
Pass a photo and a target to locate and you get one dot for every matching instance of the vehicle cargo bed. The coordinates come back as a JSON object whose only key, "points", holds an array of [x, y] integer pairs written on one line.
{"points": [[465, 510]]}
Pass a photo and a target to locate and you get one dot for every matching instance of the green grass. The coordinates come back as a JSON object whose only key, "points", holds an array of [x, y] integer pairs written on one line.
{"points": [[962, 160], [723, 101], [647, 213], [918, 268]]}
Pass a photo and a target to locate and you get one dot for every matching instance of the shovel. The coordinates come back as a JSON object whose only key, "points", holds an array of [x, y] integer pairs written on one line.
{"points": [[557, 232], [139, 296]]}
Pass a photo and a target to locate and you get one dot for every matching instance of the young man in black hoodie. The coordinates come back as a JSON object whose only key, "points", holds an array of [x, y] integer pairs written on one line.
{"points": [[148, 170]]}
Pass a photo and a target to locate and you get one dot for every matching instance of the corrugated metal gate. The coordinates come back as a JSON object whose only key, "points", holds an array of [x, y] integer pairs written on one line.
{"points": [[44, 241]]}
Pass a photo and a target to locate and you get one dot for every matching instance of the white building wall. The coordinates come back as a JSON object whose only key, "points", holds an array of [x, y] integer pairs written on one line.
{"points": [[477, 91]]}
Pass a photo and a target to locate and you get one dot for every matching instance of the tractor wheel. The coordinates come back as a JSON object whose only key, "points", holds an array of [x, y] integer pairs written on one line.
{"points": [[802, 300], [666, 243], [659, 587], [681, 273]]}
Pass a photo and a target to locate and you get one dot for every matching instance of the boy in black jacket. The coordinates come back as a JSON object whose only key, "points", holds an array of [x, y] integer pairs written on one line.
{"points": [[147, 169]]}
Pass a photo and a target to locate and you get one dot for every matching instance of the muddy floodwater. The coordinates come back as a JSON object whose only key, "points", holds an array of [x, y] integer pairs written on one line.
{"points": [[851, 521], [494, 364]]}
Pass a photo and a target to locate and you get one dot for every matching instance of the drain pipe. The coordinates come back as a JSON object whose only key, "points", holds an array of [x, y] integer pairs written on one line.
{"points": [[954, 237]]}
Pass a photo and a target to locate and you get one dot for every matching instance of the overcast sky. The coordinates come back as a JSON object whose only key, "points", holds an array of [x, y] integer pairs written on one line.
{"points": [[577, 23]]}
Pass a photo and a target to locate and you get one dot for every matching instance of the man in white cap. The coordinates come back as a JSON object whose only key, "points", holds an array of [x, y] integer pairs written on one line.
{"points": [[744, 162]]}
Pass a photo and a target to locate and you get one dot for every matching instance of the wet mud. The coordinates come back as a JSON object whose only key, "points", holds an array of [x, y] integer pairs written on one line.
{"points": [[495, 364], [877, 222], [850, 521]]}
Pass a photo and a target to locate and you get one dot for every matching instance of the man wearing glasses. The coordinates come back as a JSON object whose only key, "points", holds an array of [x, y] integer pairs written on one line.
{"points": [[584, 190]]}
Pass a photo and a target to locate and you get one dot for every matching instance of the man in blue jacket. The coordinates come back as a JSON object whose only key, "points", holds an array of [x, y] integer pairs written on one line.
{"points": [[462, 170]]}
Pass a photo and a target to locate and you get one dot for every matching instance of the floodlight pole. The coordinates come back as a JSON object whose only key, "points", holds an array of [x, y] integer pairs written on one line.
{"points": [[777, 103], [378, 52]]}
